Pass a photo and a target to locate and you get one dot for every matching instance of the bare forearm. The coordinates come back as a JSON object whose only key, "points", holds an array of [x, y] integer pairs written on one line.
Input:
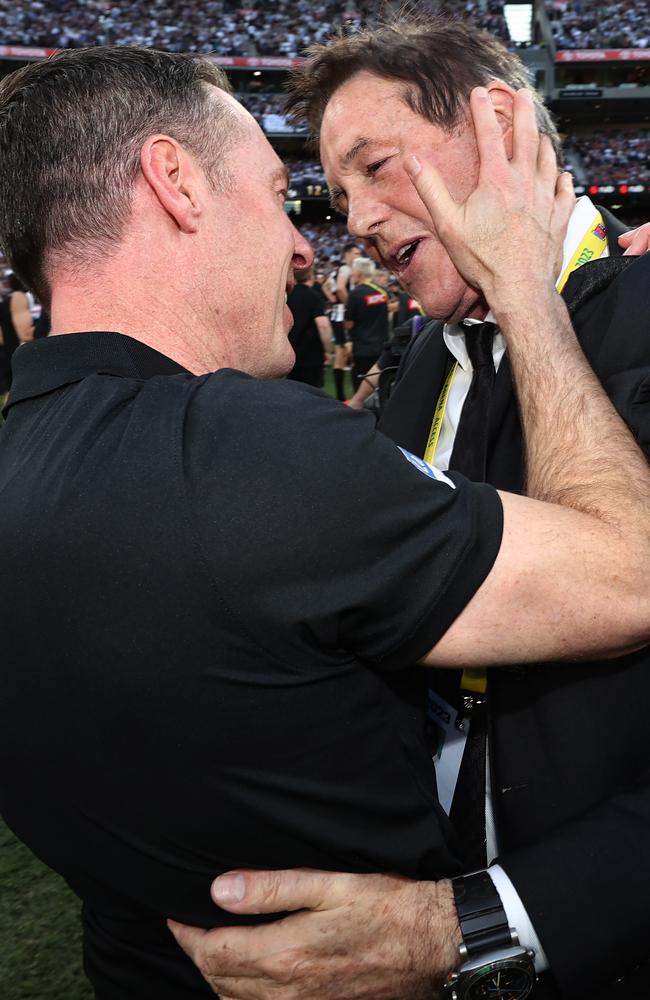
{"points": [[579, 452], [367, 386]]}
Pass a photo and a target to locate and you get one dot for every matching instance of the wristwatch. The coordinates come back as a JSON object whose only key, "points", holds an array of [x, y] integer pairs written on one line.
{"points": [[494, 965]]}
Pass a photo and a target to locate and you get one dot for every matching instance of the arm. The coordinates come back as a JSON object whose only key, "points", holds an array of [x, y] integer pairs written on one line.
{"points": [[21, 316], [342, 279], [367, 386], [325, 331], [592, 535]]}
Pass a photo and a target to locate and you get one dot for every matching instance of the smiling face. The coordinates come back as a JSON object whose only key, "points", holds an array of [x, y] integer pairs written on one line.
{"points": [[366, 132], [258, 249]]}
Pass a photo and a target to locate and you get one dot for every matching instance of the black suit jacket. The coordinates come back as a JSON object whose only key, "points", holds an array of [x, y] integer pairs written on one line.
{"points": [[570, 752]]}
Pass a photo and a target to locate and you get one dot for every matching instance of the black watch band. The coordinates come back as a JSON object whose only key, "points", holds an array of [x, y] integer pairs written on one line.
{"points": [[483, 921]]}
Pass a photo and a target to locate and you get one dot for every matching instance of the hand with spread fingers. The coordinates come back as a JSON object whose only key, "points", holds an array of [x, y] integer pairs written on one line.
{"points": [[506, 238], [362, 936]]}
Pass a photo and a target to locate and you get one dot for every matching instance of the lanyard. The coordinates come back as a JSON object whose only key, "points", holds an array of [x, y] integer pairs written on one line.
{"points": [[592, 245], [377, 289]]}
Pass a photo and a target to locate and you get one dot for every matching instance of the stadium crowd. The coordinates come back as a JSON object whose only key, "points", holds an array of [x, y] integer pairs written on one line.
{"points": [[220, 27], [614, 156], [589, 24]]}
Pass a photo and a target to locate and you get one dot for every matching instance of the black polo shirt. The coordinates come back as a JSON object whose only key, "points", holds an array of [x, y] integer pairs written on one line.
{"points": [[306, 305], [367, 308], [195, 673]]}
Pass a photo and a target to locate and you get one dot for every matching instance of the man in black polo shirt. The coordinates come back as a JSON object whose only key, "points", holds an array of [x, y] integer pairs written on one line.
{"points": [[311, 333], [211, 682], [366, 318]]}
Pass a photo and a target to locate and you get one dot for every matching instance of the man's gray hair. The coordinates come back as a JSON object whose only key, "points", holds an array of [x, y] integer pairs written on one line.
{"points": [[364, 266]]}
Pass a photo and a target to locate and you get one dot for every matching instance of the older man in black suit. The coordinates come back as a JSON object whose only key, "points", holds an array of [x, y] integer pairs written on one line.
{"points": [[566, 807]]}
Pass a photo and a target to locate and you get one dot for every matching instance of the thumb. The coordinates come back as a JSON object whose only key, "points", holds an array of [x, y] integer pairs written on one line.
{"points": [[432, 190], [626, 238], [278, 891]]}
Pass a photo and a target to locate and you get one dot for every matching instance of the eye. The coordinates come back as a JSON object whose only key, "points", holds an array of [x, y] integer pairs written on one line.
{"points": [[373, 168]]}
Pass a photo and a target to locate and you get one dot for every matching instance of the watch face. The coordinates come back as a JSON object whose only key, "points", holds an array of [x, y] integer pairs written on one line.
{"points": [[511, 983]]}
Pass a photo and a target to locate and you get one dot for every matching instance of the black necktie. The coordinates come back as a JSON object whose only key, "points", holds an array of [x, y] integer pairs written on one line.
{"points": [[469, 457], [469, 454]]}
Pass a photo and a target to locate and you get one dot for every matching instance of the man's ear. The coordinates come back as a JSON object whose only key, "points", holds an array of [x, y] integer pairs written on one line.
{"points": [[502, 97], [174, 180]]}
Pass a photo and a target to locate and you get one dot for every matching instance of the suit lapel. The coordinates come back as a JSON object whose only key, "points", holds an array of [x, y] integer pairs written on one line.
{"points": [[409, 413]]}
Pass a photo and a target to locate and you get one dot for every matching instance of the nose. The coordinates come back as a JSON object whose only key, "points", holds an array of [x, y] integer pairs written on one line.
{"points": [[366, 213], [303, 255]]}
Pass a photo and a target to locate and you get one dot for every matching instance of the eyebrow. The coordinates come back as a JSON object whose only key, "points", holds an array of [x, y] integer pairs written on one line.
{"points": [[335, 199], [354, 150], [281, 174]]}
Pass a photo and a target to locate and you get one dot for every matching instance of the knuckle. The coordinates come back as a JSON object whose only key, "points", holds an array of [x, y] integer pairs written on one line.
{"points": [[285, 968]]}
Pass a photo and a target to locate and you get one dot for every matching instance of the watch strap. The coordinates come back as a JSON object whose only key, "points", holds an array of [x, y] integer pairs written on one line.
{"points": [[483, 920]]}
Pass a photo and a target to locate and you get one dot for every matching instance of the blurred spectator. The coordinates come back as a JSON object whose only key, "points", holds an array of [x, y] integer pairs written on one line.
{"points": [[613, 156], [311, 334], [220, 27], [16, 327], [366, 318], [590, 24]]}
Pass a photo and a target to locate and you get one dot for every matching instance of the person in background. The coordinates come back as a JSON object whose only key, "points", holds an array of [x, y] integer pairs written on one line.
{"points": [[340, 286], [311, 333], [16, 327], [408, 308], [366, 318]]}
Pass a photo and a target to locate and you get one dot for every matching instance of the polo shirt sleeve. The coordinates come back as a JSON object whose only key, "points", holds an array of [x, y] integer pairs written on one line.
{"points": [[320, 533]]}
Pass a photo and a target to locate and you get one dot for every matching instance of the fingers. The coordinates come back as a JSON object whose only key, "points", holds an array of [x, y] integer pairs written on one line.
{"points": [[276, 892], [190, 939], [637, 241], [229, 952], [489, 135], [432, 190], [565, 200], [525, 131]]}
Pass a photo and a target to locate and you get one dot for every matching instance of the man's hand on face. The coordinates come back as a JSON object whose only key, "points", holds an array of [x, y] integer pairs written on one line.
{"points": [[380, 937], [506, 238]]}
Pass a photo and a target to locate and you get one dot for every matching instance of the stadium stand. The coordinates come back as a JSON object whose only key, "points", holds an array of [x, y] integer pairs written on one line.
{"points": [[589, 24], [256, 28], [612, 156]]}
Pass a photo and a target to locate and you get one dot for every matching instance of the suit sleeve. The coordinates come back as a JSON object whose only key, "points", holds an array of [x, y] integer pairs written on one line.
{"points": [[586, 883], [586, 888]]}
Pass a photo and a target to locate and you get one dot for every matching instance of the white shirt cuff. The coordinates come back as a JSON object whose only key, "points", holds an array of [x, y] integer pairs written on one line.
{"points": [[517, 916]]}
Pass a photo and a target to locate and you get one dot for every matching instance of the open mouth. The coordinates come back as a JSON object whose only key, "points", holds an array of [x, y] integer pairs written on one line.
{"points": [[405, 255]]}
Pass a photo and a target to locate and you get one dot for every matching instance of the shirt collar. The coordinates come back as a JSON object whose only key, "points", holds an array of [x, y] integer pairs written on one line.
{"points": [[44, 365], [453, 334]]}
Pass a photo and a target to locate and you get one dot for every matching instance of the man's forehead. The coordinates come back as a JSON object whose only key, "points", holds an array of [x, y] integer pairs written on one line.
{"points": [[362, 113]]}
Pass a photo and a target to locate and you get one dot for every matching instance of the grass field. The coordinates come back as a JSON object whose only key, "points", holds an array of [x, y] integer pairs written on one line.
{"points": [[40, 932]]}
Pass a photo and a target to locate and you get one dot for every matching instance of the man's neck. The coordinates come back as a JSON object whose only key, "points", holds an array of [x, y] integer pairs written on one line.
{"points": [[155, 319]]}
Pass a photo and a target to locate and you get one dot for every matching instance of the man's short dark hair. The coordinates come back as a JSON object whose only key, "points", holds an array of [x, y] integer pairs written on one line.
{"points": [[71, 132], [439, 60], [349, 246], [303, 275]]}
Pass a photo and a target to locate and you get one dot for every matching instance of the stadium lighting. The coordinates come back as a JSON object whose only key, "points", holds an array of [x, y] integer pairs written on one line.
{"points": [[519, 18]]}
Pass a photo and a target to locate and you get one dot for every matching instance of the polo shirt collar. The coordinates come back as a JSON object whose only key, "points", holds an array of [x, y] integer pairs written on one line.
{"points": [[44, 365]]}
